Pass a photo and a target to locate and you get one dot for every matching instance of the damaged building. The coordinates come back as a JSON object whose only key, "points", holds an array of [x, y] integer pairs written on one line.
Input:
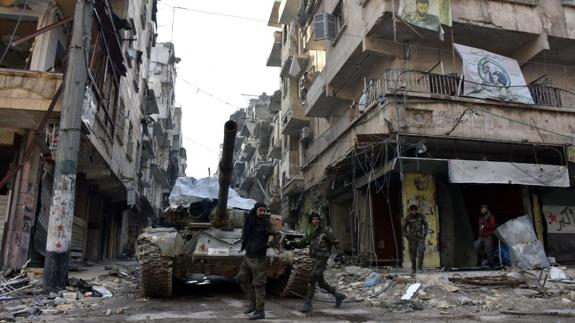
{"points": [[257, 151], [472, 106], [112, 204], [163, 156]]}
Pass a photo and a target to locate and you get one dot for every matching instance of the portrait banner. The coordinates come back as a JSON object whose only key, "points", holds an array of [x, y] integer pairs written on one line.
{"points": [[492, 76], [428, 14]]}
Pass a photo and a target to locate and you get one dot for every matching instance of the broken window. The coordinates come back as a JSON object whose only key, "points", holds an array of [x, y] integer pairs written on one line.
{"points": [[16, 56]]}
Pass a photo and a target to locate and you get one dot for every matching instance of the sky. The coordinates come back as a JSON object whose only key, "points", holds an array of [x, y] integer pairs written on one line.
{"points": [[221, 55]]}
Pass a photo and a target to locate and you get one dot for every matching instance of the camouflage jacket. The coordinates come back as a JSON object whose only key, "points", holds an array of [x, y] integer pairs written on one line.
{"points": [[321, 243], [415, 227]]}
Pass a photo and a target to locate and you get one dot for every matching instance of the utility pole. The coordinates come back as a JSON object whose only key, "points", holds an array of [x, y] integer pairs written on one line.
{"points": [[64, 189]]}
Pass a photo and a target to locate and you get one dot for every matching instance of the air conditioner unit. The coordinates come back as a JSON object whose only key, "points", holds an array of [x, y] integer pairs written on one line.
{"points": [[325, 26], [305, 135]]}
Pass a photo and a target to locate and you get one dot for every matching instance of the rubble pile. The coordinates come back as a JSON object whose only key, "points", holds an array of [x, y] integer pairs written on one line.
{"points": [[541, 291], [23, 296]]}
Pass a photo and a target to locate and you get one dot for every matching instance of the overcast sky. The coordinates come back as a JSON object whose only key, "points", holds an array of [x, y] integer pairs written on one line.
{"points": [[224, 56]]}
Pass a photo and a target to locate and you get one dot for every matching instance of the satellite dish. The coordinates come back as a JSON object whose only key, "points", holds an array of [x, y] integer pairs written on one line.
{"points": [[23, 47], [7, 3]]}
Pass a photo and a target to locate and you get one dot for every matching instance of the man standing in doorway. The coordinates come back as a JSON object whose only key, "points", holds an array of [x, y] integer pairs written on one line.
{"points": [[485, 244], [321, 239], [253, 270], [414, 230]]}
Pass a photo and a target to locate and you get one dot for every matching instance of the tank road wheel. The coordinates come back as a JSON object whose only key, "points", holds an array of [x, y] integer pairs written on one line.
{"points": [[298, 275], [156, 277]]}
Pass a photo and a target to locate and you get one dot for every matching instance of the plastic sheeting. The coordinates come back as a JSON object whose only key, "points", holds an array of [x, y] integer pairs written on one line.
{"points": [[526, 251], [475, 171], [189, 190]]}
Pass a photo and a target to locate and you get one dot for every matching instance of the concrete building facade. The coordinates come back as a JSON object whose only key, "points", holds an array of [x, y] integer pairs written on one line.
{"points": [[389, 121], [109, 208], [257, 151]]}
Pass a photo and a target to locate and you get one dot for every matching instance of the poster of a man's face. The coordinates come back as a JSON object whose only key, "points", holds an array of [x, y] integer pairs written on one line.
{"points": [[426, 14]]}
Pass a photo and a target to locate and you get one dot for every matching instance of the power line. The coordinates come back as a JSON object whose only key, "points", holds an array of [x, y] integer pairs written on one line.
{"points": [[198, 89], [221, 14]]}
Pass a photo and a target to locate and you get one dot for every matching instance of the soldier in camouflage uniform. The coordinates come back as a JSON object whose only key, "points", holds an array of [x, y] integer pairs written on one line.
{"points": [[415, 229], [253, 270], [320, 239]]}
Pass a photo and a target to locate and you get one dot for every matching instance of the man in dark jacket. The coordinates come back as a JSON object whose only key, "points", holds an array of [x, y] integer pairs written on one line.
{"points": [[414, 230], [320, 239], [253, 271], [485, 244]]}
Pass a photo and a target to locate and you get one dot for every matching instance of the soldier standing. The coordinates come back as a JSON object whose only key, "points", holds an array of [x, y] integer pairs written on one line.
{"points": [[253, 270], [320, 239], [415, 230]]}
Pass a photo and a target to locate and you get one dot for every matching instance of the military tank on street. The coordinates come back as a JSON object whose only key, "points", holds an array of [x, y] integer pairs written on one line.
{"points": [[199, 235]]}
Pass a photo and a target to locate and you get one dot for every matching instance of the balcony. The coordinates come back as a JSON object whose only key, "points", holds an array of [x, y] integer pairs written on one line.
{"points": [[273, 20], [275, 103], [274, 58], [321, 100], [293, 185], [425, 84], [294, 119], [288, 9], [25, 96], [265, 169]]}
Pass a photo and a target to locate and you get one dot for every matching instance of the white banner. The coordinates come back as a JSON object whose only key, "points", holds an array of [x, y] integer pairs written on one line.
{"points": [[560, 219], [491, 76], [485, 172]]}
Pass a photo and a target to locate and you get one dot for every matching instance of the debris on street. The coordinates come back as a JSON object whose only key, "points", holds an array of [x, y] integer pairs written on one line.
{"points": [[23, 297]]}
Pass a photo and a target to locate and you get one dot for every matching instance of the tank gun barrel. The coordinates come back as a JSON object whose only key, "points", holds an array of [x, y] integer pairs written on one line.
{"points": [[226, 168]]}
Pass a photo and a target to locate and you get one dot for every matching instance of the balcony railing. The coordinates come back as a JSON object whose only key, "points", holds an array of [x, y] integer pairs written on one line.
{"points": [[407, 81], [411, 82]]}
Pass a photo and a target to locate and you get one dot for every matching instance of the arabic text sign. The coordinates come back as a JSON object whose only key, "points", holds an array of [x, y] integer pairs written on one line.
{"points": [[560, 219]]}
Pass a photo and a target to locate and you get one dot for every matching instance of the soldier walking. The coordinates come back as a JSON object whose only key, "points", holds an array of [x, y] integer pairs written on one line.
{"points": [[253, 270], [321, 239], [415, 229]]}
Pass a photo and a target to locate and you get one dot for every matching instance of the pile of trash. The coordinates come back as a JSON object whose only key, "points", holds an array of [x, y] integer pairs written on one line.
{"points": [[503, 291], [22, 293]]}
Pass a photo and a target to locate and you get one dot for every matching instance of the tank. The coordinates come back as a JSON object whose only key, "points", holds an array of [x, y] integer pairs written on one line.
{"points": [[200, 236]]}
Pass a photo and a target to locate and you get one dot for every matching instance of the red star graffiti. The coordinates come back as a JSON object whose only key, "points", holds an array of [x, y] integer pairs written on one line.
{"points": [[552, 218], [59, 245], [60, 227]]}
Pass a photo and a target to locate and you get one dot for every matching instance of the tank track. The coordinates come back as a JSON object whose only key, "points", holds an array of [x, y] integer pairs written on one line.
{"points": [[156, 278], [299, 274]]}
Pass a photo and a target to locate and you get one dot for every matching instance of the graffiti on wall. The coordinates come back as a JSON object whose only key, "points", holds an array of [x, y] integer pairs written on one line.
{"points": [[61, 214], [560, 218]]}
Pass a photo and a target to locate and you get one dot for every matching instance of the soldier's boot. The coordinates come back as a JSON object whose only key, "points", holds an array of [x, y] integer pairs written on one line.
{"points": [[339, 297], [306, 307], [258, 315], [251, 308]]}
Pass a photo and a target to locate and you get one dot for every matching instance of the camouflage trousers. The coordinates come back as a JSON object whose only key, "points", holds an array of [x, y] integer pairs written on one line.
{"points": [[253, 278], [416, 252], [316, 278]]}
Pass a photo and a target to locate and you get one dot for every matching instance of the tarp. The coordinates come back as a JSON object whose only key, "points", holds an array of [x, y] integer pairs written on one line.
{"points": [[189, 190], [492, 76], [426, 15], [485, 172], [526, 251]]}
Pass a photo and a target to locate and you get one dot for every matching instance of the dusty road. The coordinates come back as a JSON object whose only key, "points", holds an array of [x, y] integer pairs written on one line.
{"points": [[223, 302]]}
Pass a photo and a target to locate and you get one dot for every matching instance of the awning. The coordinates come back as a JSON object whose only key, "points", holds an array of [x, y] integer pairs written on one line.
{"points": [[485, 172]]}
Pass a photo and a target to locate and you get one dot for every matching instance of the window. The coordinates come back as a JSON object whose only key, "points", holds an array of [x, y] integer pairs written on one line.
{"points": [[339, 18]]}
